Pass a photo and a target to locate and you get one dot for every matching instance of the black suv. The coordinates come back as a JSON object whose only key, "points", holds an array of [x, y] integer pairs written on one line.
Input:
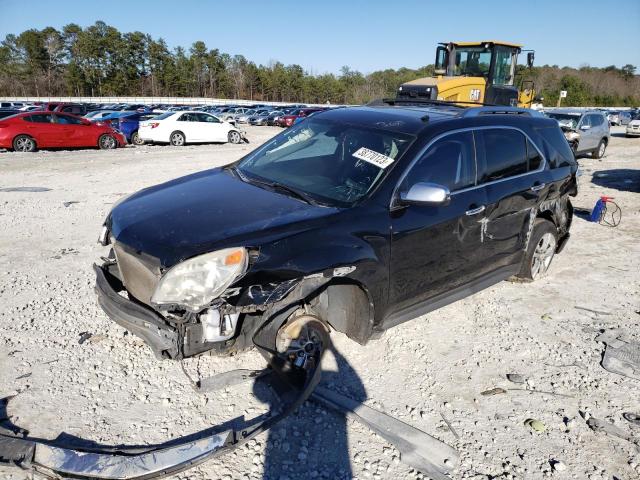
{"points": [[359, 218]]}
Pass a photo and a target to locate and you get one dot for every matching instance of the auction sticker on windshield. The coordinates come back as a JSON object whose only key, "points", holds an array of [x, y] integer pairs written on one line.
{"points": [[373, 157]]}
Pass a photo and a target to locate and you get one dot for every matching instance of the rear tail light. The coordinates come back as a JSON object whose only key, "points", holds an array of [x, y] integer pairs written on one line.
{"points": [[154, 124]]}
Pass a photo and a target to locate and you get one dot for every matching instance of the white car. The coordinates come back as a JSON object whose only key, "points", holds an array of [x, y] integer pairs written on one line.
{"points": [[180, 128], [633, 127]]}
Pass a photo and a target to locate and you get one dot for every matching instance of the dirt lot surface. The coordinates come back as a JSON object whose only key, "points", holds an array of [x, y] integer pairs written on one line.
{"points": [[110, 389]]}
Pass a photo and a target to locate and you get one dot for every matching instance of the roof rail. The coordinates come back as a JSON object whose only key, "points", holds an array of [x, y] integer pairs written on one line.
{"points": [[499, 110]]}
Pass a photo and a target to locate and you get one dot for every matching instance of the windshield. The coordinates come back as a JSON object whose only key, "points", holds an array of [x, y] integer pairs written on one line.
{"points": [[471, 61], [565, 120], [331, 162]]}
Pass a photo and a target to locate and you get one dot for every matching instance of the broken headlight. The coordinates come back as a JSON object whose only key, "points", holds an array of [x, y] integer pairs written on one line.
{"points": [[194, 283]]}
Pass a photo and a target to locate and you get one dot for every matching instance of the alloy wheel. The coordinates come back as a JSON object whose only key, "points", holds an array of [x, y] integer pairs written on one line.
{"points": [[542, 255], [177, 139], [107, 142], [24, 144], [234, 137]]}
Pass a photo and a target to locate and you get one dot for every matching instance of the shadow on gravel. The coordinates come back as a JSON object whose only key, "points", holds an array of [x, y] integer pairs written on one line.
{"points": [[623, 179], [312, 442]]}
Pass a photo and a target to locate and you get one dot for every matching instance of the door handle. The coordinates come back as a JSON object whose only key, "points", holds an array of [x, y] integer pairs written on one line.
{"points": [[475, 211], [538, 187]]}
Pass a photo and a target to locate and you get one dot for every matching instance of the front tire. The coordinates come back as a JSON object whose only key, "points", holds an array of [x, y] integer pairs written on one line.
{"points": [[136, 140], [177, 139], [540, 251], [107, 142], [235, 137], [24, 143], [599, 151]]}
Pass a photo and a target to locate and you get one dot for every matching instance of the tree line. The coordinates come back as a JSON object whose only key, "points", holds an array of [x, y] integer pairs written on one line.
{"points": [[99, 61]]}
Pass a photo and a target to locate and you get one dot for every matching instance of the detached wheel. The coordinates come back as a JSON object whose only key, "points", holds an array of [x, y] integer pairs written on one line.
{"points": [[540, 251], [24, 143], [136, 140], [177, 139], [107, 142], [234, 137], [599, 152]]}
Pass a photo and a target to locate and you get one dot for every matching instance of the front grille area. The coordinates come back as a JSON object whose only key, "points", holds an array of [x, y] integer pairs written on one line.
{"points": [[140, 273]]}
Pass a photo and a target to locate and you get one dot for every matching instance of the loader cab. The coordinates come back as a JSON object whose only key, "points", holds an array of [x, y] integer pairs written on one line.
{"points": [[494, 62]]}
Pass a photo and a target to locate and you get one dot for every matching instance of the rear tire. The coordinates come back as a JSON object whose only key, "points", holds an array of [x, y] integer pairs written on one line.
{"points": [[24, 143], [599, 151], [177, 139], [107, 142], [136, 140], [235, 137], [540, 251]]}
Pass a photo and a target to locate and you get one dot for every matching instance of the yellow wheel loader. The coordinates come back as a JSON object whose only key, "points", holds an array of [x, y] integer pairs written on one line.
{"points": [[468, 73]]}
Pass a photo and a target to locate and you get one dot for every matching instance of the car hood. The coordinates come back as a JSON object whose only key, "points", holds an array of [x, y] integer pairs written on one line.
{"points": [[634, 123], [207, 211]]}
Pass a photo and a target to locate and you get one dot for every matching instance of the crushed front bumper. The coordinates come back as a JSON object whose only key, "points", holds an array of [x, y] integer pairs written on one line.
{"points": [[138, 319]]}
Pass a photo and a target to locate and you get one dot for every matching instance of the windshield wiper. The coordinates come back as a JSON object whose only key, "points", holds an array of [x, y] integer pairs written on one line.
{"points": [[276, 186]]}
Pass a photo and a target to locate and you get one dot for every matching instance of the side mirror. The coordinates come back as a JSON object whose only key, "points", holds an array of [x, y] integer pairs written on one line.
{"points": [[530, 57], [585, 127], [423, 193]]}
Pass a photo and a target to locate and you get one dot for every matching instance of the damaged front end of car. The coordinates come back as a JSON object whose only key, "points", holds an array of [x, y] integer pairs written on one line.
{"points": [[194, 306], [181, 329]]}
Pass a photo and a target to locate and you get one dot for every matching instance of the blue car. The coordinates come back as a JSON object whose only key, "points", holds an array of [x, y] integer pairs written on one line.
{"points": [[127, 123]]}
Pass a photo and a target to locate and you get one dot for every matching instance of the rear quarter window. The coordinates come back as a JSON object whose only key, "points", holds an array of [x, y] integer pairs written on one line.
{"points": [[555, 147]]}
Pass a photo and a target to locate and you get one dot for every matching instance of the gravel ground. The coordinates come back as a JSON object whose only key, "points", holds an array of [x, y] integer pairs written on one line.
{"points": [[111, 390]]}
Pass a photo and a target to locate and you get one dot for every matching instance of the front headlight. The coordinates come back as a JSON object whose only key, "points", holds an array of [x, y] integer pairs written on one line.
{"points": [[194, 283]]}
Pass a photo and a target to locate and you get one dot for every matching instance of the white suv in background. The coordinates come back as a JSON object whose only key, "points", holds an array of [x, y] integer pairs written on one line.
{"points": [[633, 127], [180, 128]]}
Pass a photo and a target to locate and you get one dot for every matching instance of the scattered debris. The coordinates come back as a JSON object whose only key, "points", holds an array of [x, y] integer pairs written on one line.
{"points": [[455, 434], [65, 251], [558, 465], [25, 189], [84, 336], [545, 316], [598, 425], [71, 202], [536, 425], [543, 392], [418, 449], [26, 375], [516, 378], [599, 312], [96, 338], [621, 356], [632, 418], [493, 391]]}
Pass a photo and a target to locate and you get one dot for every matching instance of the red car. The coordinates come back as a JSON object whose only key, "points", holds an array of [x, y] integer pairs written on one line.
{"points": [[25, 132], [287, 120]]}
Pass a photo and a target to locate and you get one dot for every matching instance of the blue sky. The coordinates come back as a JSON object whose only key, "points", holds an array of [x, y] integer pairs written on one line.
{"points": [[323, 35]]}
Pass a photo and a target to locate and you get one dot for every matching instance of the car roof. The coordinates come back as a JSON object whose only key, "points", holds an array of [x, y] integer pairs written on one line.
{"points": [[399, 118], [569, 111]]}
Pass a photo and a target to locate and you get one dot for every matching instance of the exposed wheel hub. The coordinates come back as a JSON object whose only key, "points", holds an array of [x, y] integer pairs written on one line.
{"points": [[302, 341]]}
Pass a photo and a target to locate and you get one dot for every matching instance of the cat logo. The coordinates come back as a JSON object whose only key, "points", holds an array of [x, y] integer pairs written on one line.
{"points": [[474, 94]]}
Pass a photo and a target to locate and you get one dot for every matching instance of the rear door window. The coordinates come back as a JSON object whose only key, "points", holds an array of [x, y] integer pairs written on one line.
{"points": [[449, 162], [68, 120], [503, 154], [40, 118]]}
